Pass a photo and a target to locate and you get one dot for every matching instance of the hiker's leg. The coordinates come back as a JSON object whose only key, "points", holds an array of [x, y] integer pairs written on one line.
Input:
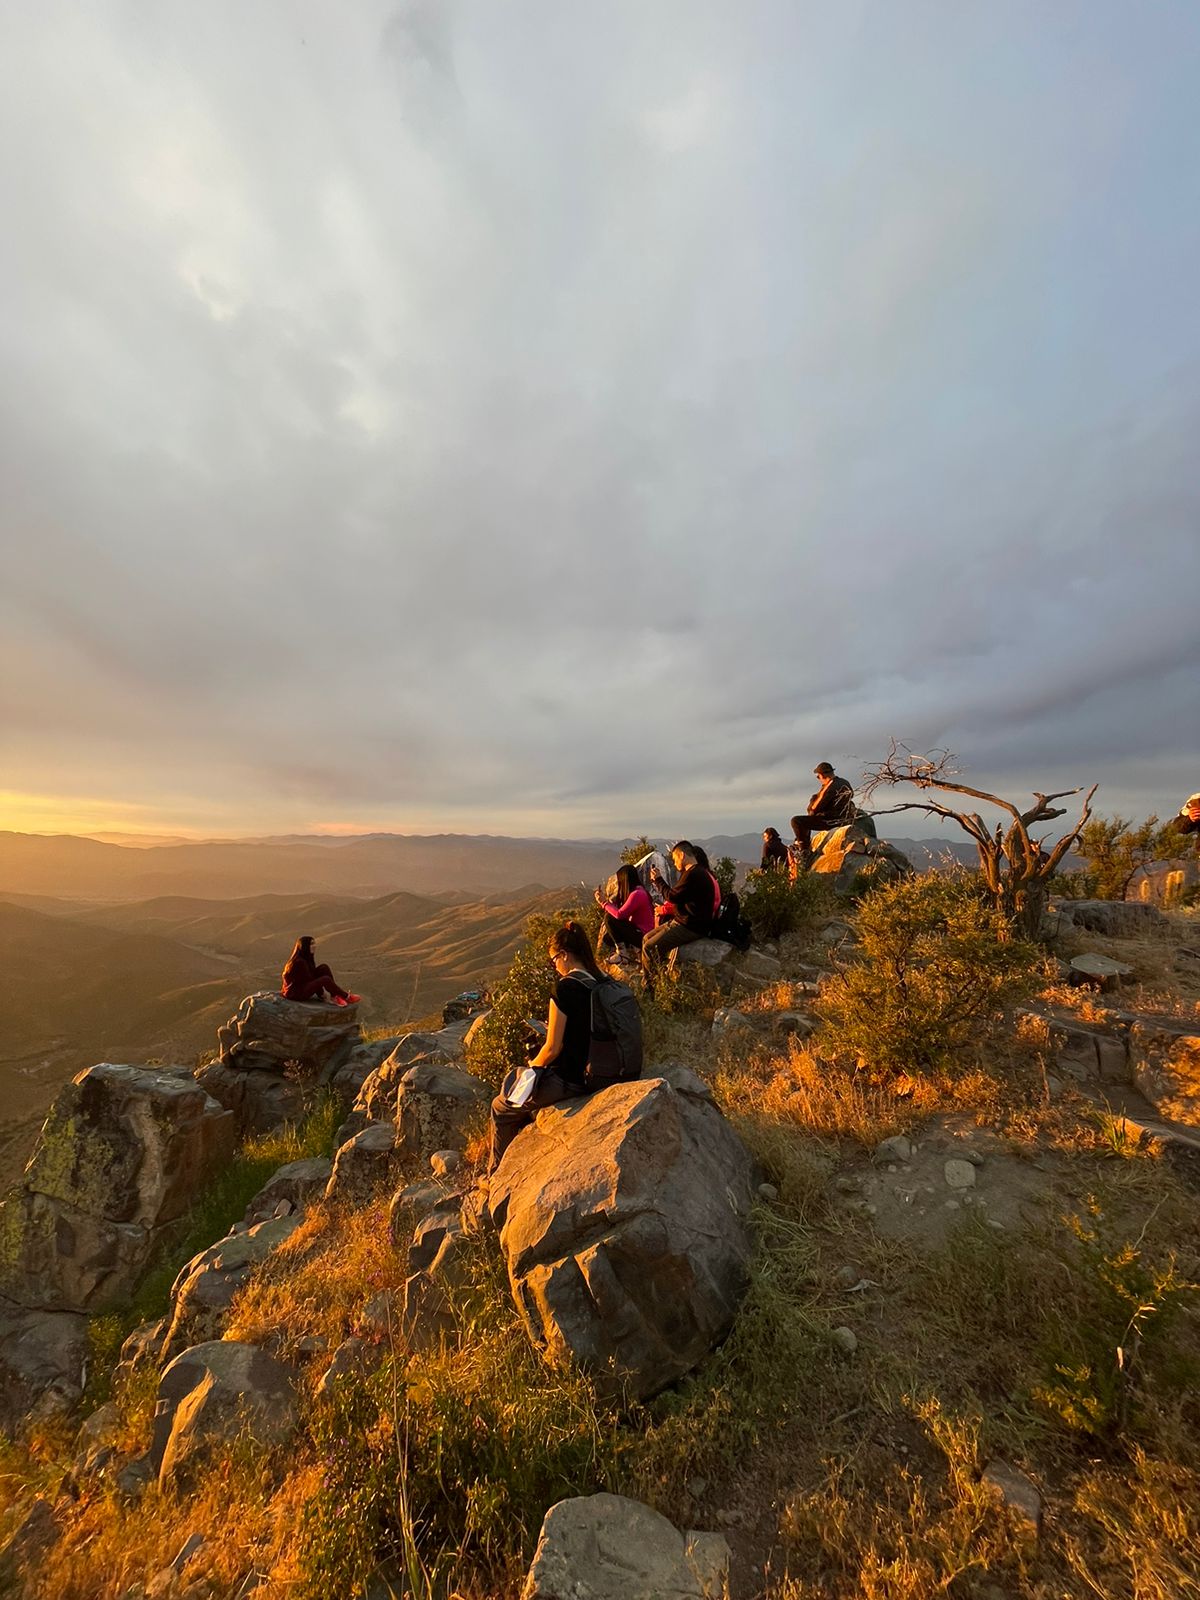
{"points": [[623, 934], [657, 946], [331, 988], [507, 1121]]}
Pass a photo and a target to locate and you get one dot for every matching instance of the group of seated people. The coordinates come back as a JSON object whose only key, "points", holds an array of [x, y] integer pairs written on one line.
{"points": [[832, 806], [677, 904]]}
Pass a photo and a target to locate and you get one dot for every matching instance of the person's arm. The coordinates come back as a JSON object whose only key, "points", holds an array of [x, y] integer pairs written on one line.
{"points": [[556, 1032]]}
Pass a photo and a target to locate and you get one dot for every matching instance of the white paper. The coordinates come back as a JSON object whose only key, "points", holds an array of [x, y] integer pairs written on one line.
{"points": [[523, 1088]]}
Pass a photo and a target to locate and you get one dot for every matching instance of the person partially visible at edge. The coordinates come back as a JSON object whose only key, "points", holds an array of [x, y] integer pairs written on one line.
{"points": [[303, 979], [1188, 819], [561, 1063], [830, 807], [630, 917], [774, 851], [689, 913]]}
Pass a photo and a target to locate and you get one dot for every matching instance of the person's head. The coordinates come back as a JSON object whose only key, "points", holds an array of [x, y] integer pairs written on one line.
{"points": [[824, 771], [683, 855], [770, 835], [303, 947], [627, 881], [571, 947], [1192, 805]]}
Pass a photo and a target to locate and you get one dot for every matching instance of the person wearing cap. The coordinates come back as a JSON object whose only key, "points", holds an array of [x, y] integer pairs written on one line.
{"points": [[1188, 820], [830, 807]]}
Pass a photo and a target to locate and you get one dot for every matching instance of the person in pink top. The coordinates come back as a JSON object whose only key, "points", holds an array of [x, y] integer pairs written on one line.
{"points": [[630, 917]]}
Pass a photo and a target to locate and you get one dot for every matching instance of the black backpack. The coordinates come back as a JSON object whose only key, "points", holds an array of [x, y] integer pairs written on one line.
{"points": [[730, 925], [615, 1052]]}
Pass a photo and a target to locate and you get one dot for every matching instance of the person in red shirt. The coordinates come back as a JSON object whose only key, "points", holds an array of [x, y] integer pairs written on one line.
{"points": [[303, 979], [630, 917]]}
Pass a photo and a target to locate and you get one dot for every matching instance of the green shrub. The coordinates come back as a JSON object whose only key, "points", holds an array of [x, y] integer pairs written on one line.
{"points": [[937, 964], [634, 852], [724, 870], [776, 905]]}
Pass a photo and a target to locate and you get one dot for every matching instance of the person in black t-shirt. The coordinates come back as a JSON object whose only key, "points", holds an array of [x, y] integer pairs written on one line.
{"points": [[561, 1063], [689, 913]]}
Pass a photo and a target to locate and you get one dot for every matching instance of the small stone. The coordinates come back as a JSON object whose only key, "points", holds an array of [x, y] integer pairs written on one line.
{"points": [[897, 1148], [443, 1162], [284, 1209], [697, 1488], [133, 1479], [846, 1340], [952, 1205], [846, 1277], [731, 1519], [768, 1192], [973, 1156], [1018, 1494], [959, 1174], [847, 1184]]}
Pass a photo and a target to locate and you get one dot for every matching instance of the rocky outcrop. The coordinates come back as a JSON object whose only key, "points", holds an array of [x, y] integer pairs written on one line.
{"points": [[205, 1288], [208, 1397], [853, 850], [43, 1356], [466, 1005], [260, 1102], [365, 1165], [268, 1032], [346, 1081], [122, 1154], [1117, 919], [438, 1108], [606, 1547], [624, 1224]]}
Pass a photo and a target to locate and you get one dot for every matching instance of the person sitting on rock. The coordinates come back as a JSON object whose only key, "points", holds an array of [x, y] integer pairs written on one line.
{"points": [[1188, 819], [831, 807], [561, 1062], [630, 917], [689, 913], [774, 851], [303, 979]]}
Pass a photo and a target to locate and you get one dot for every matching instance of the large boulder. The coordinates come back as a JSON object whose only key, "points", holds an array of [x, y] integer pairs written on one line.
{"points": [[437, 1108], [267, 1032], [295, 1186], [209, 1397], [43, 1363], [377, 1097], [119, 1159], [204, 1289], [259, 1101], [364, 1165], [624, 1222], [606, 1547], [347, 1080], [1117, 919]]}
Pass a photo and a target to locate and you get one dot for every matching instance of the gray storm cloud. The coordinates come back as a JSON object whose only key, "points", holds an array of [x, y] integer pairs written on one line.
{"points": [[551, 417]]}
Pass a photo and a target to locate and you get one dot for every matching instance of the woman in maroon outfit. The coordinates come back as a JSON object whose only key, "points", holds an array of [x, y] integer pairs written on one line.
{"points": [[303, 979]]}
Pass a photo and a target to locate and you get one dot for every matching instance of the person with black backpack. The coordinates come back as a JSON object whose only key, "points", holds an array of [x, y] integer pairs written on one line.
{"points": [[593, 1039]]}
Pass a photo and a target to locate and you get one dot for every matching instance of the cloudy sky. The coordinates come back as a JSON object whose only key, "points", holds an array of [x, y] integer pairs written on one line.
{"points": [[544, 416]]}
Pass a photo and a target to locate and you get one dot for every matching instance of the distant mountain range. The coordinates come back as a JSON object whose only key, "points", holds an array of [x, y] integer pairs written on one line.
{"points": [[368, 866]]}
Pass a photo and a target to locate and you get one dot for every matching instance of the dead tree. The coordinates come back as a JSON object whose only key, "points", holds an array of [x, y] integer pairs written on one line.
{"points": [[1015, 866]]}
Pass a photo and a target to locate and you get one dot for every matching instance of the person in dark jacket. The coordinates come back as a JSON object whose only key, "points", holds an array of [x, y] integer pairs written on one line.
{"points": [[303, 979], [688, 914], [774, 851], [830, 807], [561, 1063]]}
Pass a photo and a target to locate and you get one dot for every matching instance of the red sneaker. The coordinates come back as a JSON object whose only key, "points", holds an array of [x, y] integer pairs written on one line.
{"points": [[352, 999]]}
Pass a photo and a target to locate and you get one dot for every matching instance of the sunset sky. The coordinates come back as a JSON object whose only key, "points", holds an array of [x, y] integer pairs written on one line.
{"points": [[531, 416]]}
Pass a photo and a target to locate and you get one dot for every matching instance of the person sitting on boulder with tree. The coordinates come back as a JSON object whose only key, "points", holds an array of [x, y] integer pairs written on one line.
{"points": [[831, 807], [689, 913], [561, 1064], [303, 979], [630, 917]]}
